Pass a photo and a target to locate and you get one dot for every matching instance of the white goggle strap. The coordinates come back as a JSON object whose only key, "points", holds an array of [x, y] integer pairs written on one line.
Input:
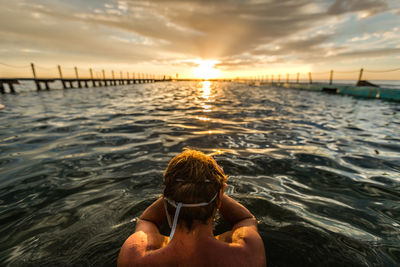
{"points": [[175, 204], [178, 208], [166, 212]]}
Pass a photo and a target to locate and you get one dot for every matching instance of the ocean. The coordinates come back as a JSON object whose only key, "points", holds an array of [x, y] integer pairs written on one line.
{"points": [[320, 172]]}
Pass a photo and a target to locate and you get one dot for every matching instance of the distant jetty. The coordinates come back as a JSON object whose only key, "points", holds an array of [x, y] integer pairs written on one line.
{"points": [[44, 84], [361, 88], [353, 90], [80, 82]]}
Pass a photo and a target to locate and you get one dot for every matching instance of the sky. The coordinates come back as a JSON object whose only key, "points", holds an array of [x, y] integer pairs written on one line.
{"points": [[234, 38]]}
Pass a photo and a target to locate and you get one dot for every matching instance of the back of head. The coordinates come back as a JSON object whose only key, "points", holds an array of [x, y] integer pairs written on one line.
{"points": [[193, 177]]}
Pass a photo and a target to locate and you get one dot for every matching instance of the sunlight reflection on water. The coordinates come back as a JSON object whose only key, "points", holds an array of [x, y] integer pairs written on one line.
{"points": [[320, 172]]}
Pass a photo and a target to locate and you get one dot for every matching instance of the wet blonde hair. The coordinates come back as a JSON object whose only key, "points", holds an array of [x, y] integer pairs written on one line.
{"points": [[193, 177]]}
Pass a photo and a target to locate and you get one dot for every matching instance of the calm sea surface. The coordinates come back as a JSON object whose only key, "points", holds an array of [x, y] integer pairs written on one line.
{"points": [[320, 172]]}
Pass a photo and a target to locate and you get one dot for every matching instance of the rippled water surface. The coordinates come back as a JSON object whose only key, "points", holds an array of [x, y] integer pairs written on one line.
{"points": [[320, 172]]}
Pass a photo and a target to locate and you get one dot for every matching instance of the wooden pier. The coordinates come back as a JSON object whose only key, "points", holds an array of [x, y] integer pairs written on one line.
{"points": [[44, 84], [361, 87], [358, 90], [79, 82], [352, 90]]}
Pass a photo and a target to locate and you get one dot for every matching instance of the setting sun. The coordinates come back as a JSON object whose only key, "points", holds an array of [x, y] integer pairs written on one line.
{"points": [[206, 70]]}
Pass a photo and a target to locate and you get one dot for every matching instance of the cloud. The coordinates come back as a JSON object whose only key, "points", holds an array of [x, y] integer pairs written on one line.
{"points": [[381, 52], [371, 7], [239, 33], [366, 36]]}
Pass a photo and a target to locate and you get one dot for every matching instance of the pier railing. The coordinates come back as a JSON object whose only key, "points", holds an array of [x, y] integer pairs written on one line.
{"points": [[361, 88], [75, 77], [311, 77]]}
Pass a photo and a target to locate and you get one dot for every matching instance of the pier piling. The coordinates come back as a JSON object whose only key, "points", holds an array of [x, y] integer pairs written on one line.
{"points": [[91, 77], [104, 77], [61, 76], [77, 78], [35, 77], [113, 78], [10, 83], [361, 73]]}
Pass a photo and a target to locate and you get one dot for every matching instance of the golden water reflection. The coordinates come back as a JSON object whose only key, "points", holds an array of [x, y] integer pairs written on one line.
{"points": [[203, 118], [209, 132], [205, 96], [206, 108], [206, 89], [205, 104]]}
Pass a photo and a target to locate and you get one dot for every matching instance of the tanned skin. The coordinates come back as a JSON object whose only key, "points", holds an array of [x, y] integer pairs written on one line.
{"points": [[241, 246]]}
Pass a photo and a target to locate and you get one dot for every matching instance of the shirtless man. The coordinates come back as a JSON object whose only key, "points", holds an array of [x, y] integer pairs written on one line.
{"points": [[194, 188]]}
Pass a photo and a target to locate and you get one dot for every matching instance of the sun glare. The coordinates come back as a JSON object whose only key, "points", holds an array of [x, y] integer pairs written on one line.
{"points": [[205, 69]]}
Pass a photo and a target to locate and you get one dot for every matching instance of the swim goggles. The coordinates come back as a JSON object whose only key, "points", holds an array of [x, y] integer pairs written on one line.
{"points": [[178, 206]]}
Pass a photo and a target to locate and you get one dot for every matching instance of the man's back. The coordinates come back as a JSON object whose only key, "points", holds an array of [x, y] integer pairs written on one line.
{"points": [[240, 247], [193, 192]]}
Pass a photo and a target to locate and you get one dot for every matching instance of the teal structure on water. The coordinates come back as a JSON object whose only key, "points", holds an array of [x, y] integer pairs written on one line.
{"points": [[360, 91]]}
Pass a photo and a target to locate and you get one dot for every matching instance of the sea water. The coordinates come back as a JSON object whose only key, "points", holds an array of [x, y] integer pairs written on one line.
{"points": [[320, 172]]}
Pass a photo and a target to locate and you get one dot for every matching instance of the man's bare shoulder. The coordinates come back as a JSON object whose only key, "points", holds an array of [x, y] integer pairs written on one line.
{"points": [[243, 234], [215, 253], [140, 247], [243, 245]]}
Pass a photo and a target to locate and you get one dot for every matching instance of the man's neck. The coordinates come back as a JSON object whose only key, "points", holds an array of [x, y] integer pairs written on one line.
{"points": [[199, 231]]}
